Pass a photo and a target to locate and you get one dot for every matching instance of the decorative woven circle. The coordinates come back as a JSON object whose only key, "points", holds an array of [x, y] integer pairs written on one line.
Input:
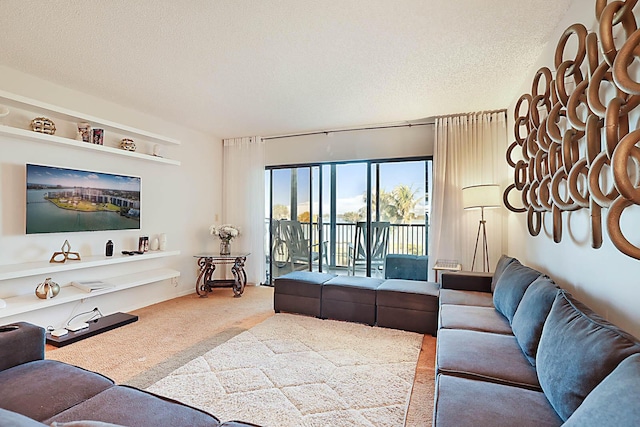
{"points": [[43, 125], [128, 144]]}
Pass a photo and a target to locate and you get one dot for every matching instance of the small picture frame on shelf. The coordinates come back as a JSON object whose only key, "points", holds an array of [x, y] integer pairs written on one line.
{"points": [[98, 136], [84, 131]]}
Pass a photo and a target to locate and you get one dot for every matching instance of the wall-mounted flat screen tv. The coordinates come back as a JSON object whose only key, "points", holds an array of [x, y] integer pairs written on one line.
{"points": [[63, 200]]}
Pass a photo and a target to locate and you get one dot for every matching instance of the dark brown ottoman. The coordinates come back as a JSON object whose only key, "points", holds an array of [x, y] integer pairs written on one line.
{"points": [[410, 305], [299, 292], [350, 298]]}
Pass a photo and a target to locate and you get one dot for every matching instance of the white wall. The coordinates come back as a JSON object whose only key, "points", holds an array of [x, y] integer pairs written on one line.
{"points": [[181, 201], [605, 279], [415, 141]]}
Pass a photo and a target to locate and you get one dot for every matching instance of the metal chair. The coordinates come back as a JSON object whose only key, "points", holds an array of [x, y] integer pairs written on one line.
{"points": [[379, 246]]}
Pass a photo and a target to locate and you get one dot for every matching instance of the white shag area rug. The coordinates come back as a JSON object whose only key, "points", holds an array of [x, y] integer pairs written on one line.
{"points": [[297, 371]]}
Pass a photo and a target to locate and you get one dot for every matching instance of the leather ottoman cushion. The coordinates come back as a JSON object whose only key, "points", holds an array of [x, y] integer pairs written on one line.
{"points": [[463, 402], [485, 356], [410, 294], [355, 289], [469, 317], [132, 407], [302, 283], [44, 388]]}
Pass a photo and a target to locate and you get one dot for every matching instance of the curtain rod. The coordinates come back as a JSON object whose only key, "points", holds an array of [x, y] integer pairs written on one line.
{"points": [[477, 113], [327, 132]]}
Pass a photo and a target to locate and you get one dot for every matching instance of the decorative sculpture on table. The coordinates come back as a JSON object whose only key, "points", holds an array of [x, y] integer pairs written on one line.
{"points": [[65, 254], [226, 233], [572, 144]]}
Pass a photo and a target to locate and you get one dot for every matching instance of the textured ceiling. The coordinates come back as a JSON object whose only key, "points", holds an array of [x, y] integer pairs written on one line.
{"points": [[268, 67]]}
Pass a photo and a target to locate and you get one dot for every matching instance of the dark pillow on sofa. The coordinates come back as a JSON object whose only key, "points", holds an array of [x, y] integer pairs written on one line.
{"points": [[614, 402], [531, 313], [500, 266], [510, 287], [577, 350]]}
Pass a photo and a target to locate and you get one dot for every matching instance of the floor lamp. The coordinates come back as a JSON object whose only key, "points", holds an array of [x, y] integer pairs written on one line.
{"points": [[481, 197]]}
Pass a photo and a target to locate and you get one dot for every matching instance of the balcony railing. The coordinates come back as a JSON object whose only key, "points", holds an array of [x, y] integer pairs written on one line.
{"points": [[403, 239]]}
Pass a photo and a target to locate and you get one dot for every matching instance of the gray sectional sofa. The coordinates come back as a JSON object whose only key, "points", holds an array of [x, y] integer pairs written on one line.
{"points": [[37, 392], [514, 349]]}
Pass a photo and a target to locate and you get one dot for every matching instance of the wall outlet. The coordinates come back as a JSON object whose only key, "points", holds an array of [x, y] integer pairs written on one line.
{"points": [[174, 282]]}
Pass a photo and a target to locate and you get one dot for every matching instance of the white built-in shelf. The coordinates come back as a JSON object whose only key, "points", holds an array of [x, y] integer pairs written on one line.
{"points": [[53, 111], [13, 100], [14, 271], [30, 302], [53, 139]]}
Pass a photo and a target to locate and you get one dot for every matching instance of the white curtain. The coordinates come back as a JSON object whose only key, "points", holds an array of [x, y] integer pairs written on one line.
{"points": [[469, 150], [243, 200]]}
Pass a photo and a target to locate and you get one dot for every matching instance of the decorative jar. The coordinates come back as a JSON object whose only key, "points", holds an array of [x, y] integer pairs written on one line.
{"points": [[47, 289]]}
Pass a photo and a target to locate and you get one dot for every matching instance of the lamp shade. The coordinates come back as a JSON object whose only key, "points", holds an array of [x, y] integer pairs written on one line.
{"points": [[481, 196]]}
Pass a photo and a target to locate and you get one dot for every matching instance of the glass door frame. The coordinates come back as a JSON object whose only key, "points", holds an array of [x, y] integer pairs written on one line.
{"points": [[370, 214]]}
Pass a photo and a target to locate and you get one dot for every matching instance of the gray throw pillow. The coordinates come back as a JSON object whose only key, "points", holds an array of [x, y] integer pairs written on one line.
{"points": [[510, 288], [500, 266], [577, 350], [614, 402], [531, 313], [84, 423], [13, 419]]}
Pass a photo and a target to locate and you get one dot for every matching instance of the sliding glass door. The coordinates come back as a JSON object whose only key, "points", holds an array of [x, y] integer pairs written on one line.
{"points": [[346, 217]]}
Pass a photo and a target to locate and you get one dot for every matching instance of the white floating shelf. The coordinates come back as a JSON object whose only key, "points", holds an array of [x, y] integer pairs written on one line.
{"points": [[30, 302], [14, 271], [18, 101], [53, 139]]}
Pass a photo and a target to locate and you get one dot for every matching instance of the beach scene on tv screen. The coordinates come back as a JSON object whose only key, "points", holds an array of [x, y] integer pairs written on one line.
{"points": [[63, 200]]}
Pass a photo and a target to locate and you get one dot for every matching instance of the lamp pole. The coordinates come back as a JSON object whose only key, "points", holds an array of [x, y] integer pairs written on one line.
{"points": [[485, 249]]}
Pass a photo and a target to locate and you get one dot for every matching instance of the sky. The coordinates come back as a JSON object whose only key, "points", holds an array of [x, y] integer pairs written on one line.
{"points": [[351, 184], [38, 174]]}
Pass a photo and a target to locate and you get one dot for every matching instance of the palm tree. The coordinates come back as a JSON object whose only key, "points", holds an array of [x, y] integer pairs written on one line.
{"points": [[396, 206], [404, 202]]}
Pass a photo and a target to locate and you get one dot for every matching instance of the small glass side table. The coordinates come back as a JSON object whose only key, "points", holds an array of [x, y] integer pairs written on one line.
{"points": [[207, 263]]}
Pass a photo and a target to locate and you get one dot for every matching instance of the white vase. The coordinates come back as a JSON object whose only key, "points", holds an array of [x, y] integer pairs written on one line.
{"points": [[162, 242], [155, 244]]}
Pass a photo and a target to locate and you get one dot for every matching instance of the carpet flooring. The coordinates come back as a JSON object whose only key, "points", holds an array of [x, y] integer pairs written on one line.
{"points": [[172, 333], [292, 371]]}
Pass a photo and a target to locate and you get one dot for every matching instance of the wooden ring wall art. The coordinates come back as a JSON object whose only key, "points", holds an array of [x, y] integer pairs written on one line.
{"points": [[573, 147]]}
